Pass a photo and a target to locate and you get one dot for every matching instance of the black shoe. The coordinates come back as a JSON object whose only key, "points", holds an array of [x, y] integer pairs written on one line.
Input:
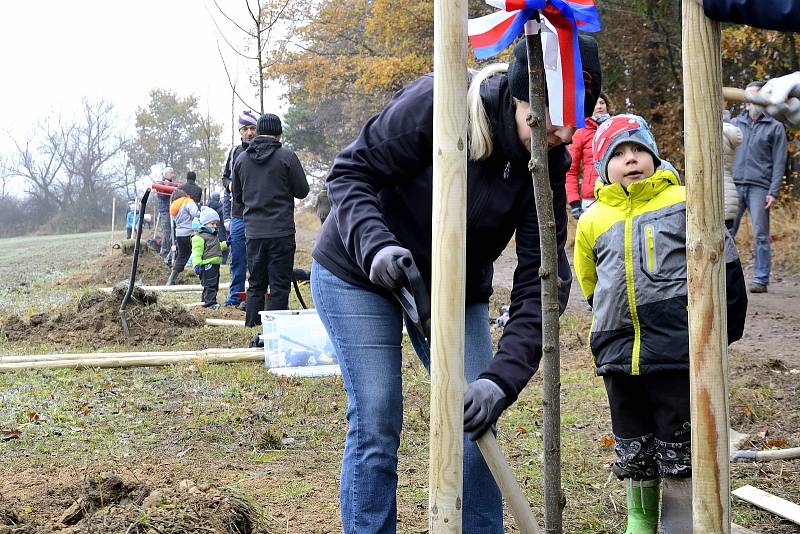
{"points": [[755, 287]]}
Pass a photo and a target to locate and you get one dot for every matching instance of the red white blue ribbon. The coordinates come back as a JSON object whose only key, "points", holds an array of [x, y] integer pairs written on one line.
{"points": [[561, 20]]}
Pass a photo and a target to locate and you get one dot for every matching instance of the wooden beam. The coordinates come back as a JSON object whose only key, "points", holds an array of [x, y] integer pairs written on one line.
{"points": [[224, 322], [705, 258], [128, 359], [769, 502], [445, 473]]}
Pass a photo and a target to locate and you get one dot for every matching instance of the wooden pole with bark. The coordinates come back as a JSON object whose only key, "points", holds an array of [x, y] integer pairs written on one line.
{"points": [[445, 476], [705, 259], [548, 272]]}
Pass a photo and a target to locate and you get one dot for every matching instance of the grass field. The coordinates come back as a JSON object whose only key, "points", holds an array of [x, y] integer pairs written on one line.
{"points": [[275, 442]]}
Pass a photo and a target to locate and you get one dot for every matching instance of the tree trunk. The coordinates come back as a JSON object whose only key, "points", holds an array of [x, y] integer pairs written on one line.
{"points": [[548, 272]]}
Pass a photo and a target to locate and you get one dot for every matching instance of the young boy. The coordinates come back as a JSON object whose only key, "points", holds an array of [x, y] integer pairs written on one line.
{"points": [[207, 255], [630, 261]]}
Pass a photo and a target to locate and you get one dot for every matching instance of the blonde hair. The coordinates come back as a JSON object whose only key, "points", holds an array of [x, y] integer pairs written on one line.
{"points": [[479, 132]]}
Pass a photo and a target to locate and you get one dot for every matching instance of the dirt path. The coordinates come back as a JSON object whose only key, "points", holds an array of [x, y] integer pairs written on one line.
{"points": [[773, 319]]}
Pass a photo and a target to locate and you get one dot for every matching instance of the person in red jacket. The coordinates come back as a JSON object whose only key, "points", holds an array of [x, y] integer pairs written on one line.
{"points": [[581, 195]]}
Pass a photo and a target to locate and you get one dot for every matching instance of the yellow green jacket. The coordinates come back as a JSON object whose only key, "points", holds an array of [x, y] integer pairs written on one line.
{"points": [[207, 248], [630, 262]]}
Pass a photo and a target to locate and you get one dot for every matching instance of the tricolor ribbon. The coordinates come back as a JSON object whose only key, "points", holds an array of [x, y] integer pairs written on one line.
{"points": [[561, 20]]}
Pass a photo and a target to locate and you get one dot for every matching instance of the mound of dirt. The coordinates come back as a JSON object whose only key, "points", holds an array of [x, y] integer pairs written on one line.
{"points": [[111, 504], [93, 320], [110, 270]]}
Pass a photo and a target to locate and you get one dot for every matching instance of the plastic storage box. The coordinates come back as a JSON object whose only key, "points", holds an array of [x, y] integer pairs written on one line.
{"points": [[296, 344]]}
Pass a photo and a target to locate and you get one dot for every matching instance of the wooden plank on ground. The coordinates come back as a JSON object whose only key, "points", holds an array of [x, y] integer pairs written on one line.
{"points": [[772, 503]]}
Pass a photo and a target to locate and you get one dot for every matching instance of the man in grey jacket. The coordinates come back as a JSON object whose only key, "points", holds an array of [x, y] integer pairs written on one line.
{"points": [[758, 170]]}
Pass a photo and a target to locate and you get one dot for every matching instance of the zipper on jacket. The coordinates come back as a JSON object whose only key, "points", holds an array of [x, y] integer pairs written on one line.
{"points": [[651, 249], [629, 270]]}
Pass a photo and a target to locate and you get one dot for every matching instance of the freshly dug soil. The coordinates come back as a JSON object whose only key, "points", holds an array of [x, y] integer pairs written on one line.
{"points": [[93, 320], [110, 270], [112, 504]]}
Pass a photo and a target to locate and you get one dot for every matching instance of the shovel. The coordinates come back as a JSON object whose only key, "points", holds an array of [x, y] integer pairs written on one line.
{"points": [[134, 263], [415, 301]]}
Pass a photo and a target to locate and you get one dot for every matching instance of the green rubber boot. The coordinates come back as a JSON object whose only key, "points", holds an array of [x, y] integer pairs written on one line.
{"points": [[643, 506]]}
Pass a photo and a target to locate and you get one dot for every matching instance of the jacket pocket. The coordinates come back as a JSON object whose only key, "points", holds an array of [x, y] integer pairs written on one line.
{"points": [[662, 248]]}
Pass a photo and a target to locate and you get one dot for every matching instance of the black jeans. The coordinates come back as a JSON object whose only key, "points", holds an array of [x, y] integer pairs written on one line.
{"points": [[183, 244], [270, 263], [652, 425], [209, 278]]}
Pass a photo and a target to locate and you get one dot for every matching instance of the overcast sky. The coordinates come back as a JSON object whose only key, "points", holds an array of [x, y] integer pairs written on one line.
{"points": [[54, 53]]}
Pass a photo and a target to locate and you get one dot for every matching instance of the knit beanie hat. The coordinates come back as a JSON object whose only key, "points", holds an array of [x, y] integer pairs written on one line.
{"points": [[191, 176], [592, 75], [208, 215], [269, 124], [617, 130], [247, 118]]}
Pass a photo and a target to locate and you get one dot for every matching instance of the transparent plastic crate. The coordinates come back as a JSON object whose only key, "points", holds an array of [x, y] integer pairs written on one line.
{"points": [[296, 344]]}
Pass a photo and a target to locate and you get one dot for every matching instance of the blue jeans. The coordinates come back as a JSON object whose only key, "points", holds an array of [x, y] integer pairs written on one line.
{"points": [[238, 260], [754, 199], [366, 330]]}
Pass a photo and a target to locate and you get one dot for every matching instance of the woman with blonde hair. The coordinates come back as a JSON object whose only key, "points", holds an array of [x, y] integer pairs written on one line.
{"points": [[380, 189]]}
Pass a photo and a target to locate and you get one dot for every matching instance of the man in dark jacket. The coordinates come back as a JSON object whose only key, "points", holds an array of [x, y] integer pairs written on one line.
{"points": [[232, 211], [782, 93], [266, 179], [758, 169], [783, 15], [191, 188]]}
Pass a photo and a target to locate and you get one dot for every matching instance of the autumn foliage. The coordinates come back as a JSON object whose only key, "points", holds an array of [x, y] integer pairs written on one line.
{"points": [[342, 61]]}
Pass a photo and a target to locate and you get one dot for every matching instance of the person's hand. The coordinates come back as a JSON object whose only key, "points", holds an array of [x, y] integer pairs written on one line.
{"points": [[227, 225], [782, 95], [384, 270], [771, 201], [173, 248], [198, 269], [484, 401], [576, 210]]}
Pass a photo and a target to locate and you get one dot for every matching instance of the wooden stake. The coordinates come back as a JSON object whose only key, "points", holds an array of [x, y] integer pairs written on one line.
{"points": [[705, 258], [113, 217], [172, 289], [128, 359], [223, 322], [554, 500], [448, 270]]}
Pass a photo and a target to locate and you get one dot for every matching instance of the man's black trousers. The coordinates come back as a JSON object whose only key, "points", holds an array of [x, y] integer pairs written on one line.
{"points": [[269, 262]]}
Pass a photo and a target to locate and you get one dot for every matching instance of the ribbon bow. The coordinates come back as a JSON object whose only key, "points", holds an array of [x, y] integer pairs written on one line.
{"points": [[561, 20]]}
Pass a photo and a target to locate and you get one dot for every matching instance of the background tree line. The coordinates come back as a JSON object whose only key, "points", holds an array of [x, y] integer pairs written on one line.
{"points": [[343, 59], [70, 169]]}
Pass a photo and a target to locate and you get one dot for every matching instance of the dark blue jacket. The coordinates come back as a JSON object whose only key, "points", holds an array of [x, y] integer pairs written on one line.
{"points": [[761, 158], [783, 15], [380, 188], [230, 208]]}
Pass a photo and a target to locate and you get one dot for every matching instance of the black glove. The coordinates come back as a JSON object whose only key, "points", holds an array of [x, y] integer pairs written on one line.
{"points": [[384, 270], [484, 401], [576, 210]]}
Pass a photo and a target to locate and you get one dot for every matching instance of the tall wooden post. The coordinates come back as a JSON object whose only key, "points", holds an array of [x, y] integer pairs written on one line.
{"points": [[448, 270], [705, 258], [113, 217], [551, 361]]}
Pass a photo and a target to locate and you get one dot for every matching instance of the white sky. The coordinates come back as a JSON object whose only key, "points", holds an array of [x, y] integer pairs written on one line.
{"points": [[54, 53]]}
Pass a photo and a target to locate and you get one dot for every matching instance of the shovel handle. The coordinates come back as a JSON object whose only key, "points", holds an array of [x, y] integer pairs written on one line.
{"points": [[734, 94]]}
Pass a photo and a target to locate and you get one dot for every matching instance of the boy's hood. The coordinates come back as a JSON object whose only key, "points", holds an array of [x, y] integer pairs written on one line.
{"points": [[262, 148], [177, 204]]}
